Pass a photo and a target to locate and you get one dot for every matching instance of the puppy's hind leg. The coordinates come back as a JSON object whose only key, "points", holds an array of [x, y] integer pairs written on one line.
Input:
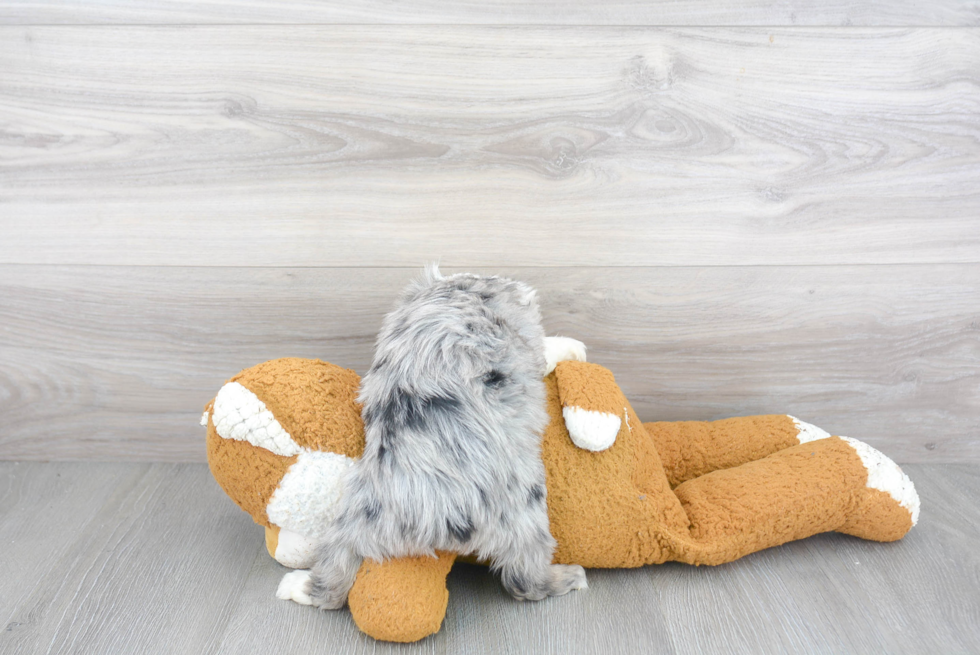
{"points": [[333, 574], [527, 573]]}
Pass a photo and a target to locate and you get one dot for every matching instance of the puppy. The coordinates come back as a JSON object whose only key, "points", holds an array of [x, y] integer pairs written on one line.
{"points": [[454, 408]]}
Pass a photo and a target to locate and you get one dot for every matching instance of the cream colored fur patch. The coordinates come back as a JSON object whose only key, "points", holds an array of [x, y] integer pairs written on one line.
{"points": [[885, 475], [590, 430], [562, 349], [807, 432], [294, 550], [239, 414], [307, 497]]}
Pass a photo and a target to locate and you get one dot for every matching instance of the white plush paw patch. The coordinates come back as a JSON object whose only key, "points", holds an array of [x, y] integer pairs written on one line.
{"points": [[294, 550], [807, 432], [885, 475], [562, 349], [578, 575], [590, 430], [295, 586]]}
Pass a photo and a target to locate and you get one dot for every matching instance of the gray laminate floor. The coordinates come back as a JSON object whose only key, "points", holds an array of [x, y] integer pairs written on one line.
{"points": [[153, 558]]}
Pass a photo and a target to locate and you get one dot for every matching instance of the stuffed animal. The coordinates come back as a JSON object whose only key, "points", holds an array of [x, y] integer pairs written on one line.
{"points": [[620, 493]]}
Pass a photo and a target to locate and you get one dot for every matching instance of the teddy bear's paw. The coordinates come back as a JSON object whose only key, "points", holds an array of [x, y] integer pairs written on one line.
{"points": [[294, 550], [562, 349], [295, 586], [889, 506], [566, 578]]}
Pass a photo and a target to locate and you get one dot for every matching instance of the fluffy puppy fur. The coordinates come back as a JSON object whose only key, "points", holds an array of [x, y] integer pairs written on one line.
{"points": [[454, 407]]}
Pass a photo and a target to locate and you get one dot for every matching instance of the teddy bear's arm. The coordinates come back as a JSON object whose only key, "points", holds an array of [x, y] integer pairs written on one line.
{"points": [[562, 349], [690, 449]]}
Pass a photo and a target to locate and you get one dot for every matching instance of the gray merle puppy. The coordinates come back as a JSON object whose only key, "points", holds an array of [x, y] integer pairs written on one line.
{"points": [[454, 408]]}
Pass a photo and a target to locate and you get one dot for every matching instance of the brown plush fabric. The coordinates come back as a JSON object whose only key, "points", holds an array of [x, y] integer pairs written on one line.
{"points": [[605, 508], [402, 599], [703, 493], [314, 401], [247, 473], [690, 449], [797, 492], [590, 387], [877, 517], [272, 540]]}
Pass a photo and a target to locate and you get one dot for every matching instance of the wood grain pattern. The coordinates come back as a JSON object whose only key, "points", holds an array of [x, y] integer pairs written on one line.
{"points": [[158, 568], [546, 146], [117, 362], [833, 594], [500, 12], [68, 497], [205, 584]]}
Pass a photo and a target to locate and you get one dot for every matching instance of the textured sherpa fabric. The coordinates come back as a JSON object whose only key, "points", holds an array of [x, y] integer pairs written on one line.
{"points": [[403, 599], [247, 473], [604, 506], [702, 493], [315, 403], [797, 492], [690, 449]]}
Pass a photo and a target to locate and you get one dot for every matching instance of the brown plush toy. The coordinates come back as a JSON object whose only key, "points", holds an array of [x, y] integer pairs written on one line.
{"points": [[621, 493]]}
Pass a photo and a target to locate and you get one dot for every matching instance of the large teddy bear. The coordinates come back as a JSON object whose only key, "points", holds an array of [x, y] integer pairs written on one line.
{"points": [[620, 493]]}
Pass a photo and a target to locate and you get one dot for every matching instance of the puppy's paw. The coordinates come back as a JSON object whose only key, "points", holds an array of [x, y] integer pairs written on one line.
{"points": [[325, 598], [561, 349], [295, 586], [567, 577]]}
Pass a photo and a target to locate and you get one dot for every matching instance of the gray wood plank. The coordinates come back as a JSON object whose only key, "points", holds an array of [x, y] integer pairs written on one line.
{"points": [[831, 593], [117, 362], [155, 570], [511, 12], [388, 145], [42, 507], [206, 585], [838, 594], [263, 623]]}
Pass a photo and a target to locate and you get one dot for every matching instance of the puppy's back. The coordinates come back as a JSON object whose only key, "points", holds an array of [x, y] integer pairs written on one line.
{"points": [[453, 411]]}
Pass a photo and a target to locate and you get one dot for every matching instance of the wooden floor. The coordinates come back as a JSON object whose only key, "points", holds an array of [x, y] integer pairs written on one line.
{"points": [[153, 558]]}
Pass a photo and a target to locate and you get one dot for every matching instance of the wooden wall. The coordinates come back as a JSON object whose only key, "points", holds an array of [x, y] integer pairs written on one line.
{"points": [[740, 208]]}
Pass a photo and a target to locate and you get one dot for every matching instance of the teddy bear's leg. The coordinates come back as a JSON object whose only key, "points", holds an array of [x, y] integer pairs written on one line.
{"points": [[690, 449], [290, 548], [832, 484], [401, 599], [876, 516]]}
